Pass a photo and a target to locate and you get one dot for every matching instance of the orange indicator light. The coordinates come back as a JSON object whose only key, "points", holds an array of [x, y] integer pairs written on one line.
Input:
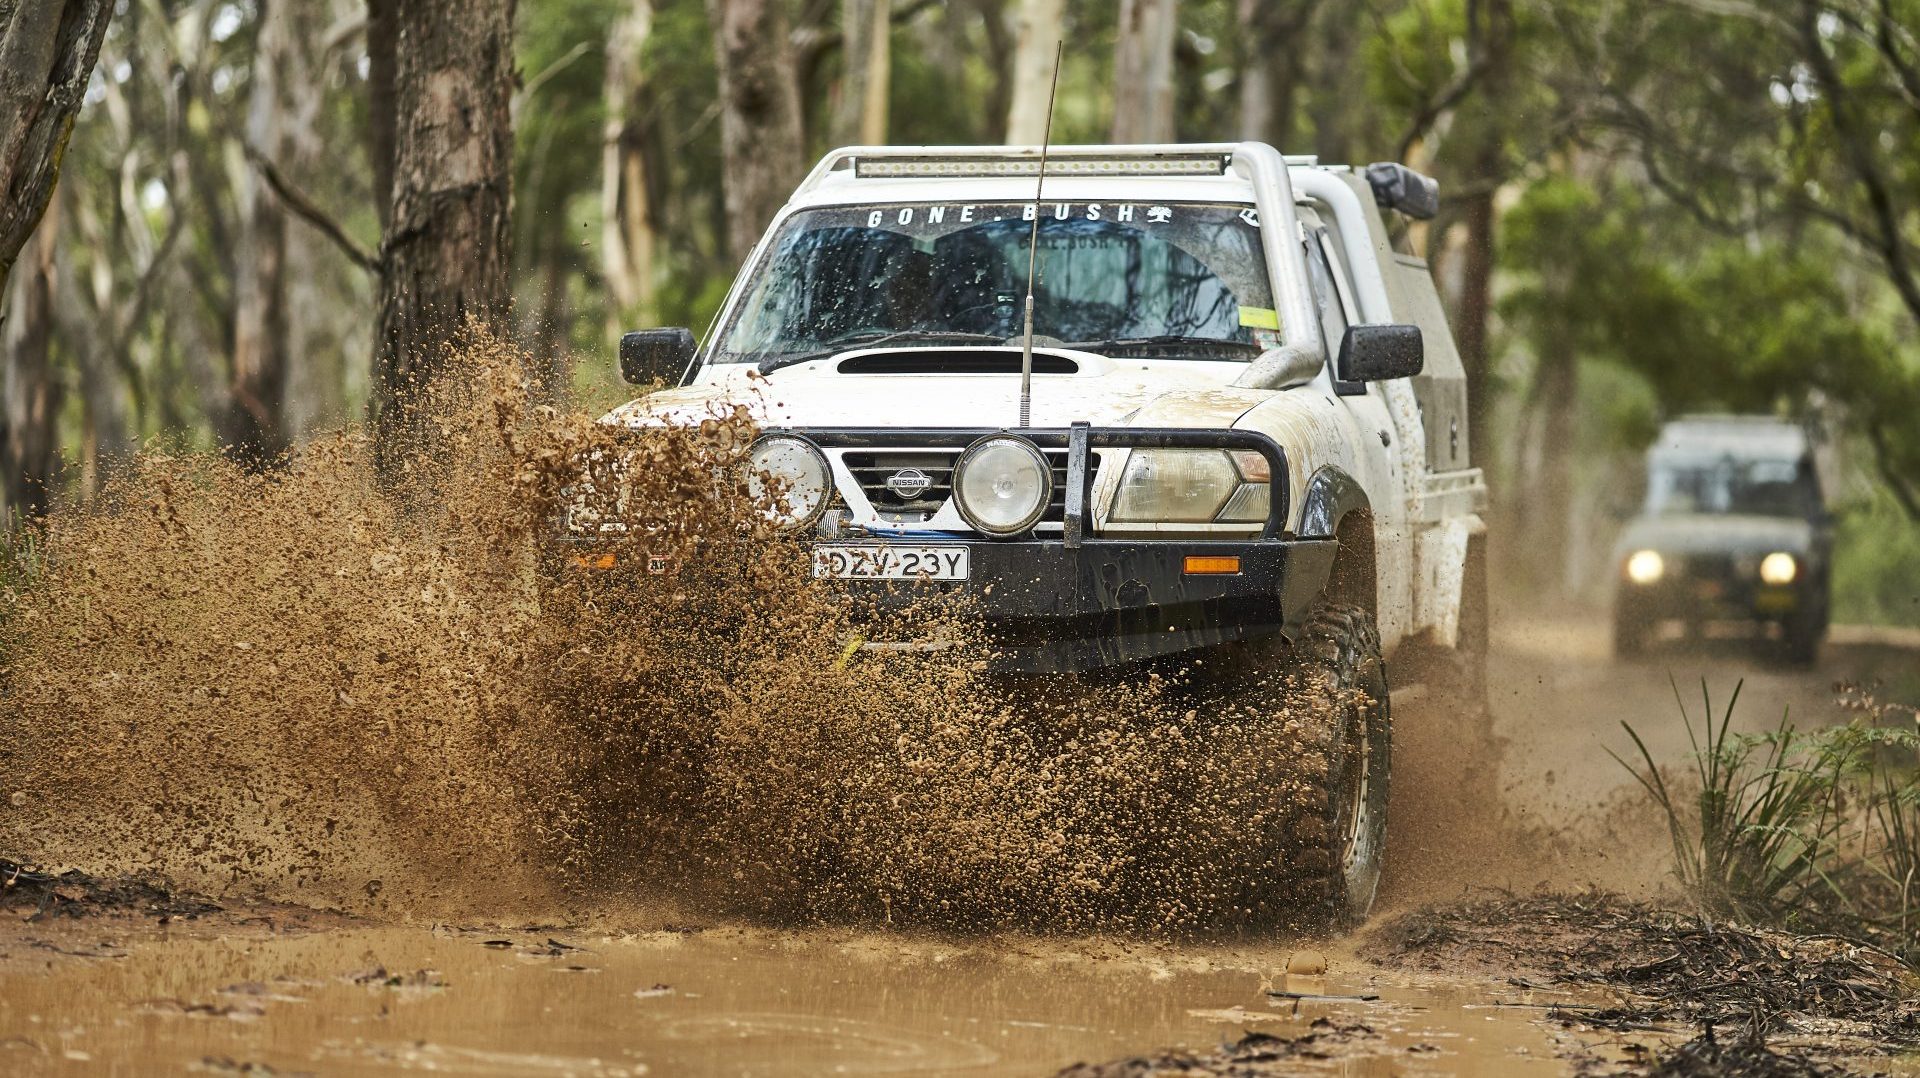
{"points": [[603, 561], [1212, 566]]}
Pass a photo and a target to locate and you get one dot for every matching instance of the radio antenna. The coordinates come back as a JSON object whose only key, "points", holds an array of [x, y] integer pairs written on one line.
{"points": [[1033, 248]]}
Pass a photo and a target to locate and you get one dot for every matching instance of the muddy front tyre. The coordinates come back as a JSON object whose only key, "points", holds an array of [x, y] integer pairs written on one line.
{"points": [[1800, 639], [1631, 633], [1325, 771]]}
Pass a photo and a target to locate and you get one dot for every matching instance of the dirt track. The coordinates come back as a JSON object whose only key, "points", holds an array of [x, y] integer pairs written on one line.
{"points": [[625, 992]]}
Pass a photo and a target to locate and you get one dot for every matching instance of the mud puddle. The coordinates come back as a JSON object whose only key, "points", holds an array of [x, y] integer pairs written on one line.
{"points": [[372, 999]]}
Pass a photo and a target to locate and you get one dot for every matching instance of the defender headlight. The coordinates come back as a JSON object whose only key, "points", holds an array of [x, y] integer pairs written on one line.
{"points": [[1193, 486], [1002, 484], [1778, 567], [789, 475], [1646, 566]]}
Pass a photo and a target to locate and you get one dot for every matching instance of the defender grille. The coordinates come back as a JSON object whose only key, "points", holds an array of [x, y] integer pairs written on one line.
{"points": [[1708, 566]]}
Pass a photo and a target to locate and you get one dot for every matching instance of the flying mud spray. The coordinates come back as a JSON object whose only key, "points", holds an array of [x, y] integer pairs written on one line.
{"points": [[391, 694]]}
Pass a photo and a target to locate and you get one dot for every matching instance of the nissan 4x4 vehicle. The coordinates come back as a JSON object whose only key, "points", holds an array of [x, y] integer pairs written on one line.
{"points": [[1244, 430], [1734, 535]]}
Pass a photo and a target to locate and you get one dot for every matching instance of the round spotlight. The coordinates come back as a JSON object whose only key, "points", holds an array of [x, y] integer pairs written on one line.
{"points": [[790, 478], [1002, 485], [1646, 566], [1778, 568]]}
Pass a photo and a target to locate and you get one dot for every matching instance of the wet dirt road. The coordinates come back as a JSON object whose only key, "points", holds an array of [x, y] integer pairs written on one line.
{"points": [[624, 994], [720, 1001], [1559, 701]]}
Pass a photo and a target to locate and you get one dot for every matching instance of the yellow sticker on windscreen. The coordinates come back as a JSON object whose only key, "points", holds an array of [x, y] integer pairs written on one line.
{"points": [[1260, 317]]}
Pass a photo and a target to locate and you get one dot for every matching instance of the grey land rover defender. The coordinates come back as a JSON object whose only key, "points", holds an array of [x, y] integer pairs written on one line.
{"points": [[1734, 537]]}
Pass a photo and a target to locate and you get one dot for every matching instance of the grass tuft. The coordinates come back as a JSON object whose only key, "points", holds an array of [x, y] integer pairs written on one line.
{"points": [[1816, 831]]}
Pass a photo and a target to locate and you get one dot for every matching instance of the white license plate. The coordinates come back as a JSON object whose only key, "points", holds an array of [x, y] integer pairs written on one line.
{"points": [[890, 561]]}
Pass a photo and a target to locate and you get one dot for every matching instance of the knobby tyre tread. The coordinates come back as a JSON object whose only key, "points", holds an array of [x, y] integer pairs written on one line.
{"points": [[1310, 759]]}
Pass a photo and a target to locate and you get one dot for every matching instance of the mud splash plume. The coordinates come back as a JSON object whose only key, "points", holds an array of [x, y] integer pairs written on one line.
{"points": [[303, 685]]}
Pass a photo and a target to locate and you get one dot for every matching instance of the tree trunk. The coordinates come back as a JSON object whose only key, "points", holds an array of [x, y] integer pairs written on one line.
{"points": [[1335, 70], [760, 144], [1041, 25], [382, 57], [279, 106], [1475, 307], [88, 336], [626, 213], [447, 246], [551, 332], [1545, 469], [1143, 83], [47, 52], [1271, 33], [860, 116], [29, 392], [999, 60]]}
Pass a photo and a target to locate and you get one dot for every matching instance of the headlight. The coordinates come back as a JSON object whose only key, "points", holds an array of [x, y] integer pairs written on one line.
{"points": [[1646, 566], [1002, 485], [1778, 568], [1193, 486], [789, 476]]}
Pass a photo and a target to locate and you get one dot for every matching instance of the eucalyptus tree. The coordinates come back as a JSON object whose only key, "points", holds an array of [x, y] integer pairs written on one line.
{"points": [[445, 256], [1766, 120], [47, 53], [1143, 72], [760, 125], [1039, 28]]}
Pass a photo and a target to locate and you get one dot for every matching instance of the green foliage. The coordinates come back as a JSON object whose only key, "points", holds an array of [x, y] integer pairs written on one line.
{"points": [[1709, 322], [1814, 831], [1676, 194], [1876, 564], [1760, 821]]}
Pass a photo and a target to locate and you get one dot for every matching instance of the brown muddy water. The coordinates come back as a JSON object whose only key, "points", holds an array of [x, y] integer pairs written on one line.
{"points": [[374, 999]]}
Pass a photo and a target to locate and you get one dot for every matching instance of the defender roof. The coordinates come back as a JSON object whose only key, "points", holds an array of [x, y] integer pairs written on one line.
{"points": [[1741, 436]]}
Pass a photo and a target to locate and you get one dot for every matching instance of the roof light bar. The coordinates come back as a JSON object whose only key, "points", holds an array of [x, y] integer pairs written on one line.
{"points": [[1210, 164]]}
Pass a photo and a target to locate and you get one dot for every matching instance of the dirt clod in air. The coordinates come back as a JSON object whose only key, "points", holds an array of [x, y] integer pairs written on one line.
{"points": [[394, 694], [1306, 964]]}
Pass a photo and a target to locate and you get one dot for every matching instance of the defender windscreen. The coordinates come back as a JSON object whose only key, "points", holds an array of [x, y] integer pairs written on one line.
{"points": [[1169, 281], [1729, 486]]}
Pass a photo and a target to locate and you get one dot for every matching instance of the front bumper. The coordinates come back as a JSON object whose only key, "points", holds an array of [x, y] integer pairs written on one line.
{"points": [[1713, 598], [1049, 607], [1068, 600]]}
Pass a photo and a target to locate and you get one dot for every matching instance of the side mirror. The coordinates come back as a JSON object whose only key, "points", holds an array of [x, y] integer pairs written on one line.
{"points": [[1378, 351], [655, 355]]}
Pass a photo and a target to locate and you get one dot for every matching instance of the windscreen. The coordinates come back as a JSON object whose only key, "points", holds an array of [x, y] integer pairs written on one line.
{"points": [[1732, 486], [1176, 280]]}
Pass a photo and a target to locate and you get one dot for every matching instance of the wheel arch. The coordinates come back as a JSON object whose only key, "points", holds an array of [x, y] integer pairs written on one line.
{"points": [[1335, 506]]}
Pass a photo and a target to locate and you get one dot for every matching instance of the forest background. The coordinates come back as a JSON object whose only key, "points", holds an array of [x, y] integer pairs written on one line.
{"points": [[1650, 207]]}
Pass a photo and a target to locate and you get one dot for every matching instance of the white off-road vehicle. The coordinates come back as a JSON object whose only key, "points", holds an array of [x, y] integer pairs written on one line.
{"points": [[1245, 441]]}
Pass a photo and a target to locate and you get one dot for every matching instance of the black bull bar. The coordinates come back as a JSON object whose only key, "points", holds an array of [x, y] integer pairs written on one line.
{"points": [[1080, 601]]}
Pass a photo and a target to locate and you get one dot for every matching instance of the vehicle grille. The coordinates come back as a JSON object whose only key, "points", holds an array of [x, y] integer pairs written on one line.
{"points": [[1708, 566], [872, 468]]}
